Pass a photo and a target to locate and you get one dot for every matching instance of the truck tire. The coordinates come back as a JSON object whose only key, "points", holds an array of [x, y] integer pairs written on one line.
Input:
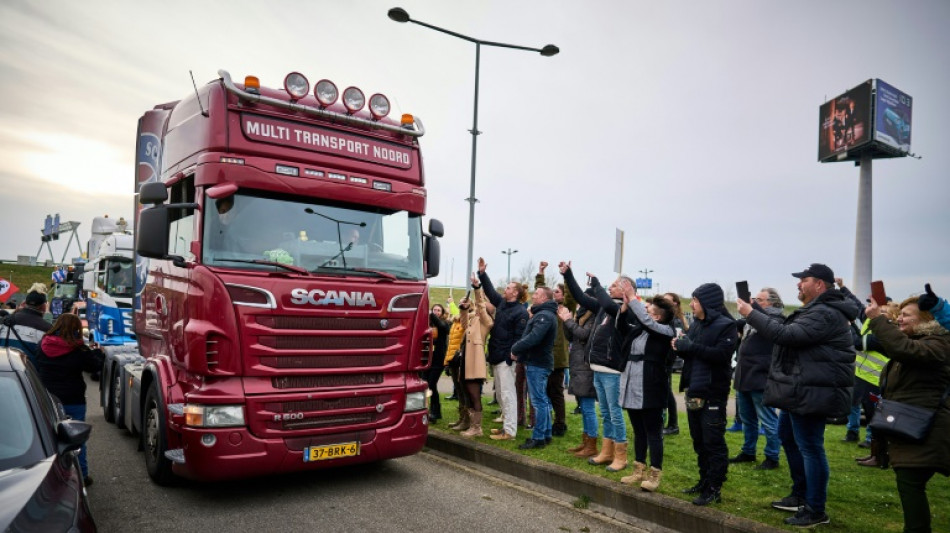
{"points": [[108, 410], [154, 442], [117, 399]]}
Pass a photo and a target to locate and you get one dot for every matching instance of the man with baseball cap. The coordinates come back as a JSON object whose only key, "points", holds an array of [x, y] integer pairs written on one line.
{"points": [[811, 379], [24, 329]]}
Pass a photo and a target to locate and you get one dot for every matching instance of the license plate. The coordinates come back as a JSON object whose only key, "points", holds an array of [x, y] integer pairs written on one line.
{"points": [[331, 451]]}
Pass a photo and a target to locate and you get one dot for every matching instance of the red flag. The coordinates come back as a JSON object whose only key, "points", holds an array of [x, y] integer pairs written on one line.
{"points": [[7, 289]]}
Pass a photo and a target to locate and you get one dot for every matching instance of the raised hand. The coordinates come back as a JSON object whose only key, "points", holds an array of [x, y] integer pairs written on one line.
{"points": [[482, 265], [564, 267], [542, 266], [563, 313], [928, 300], [474, 279], [743, 307]]}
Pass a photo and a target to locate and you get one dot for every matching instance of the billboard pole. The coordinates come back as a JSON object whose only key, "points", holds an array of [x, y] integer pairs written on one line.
{"points": [[863, 232]]}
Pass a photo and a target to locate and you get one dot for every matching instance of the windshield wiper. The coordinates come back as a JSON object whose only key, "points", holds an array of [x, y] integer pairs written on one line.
{"points": [[292, 268], [343, 270]]}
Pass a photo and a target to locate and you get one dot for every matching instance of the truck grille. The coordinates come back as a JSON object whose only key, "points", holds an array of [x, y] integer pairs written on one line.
{"points": [[325, 405], [326, 361], [333, 421], [311, 382], [328, 323], [295, 342]]}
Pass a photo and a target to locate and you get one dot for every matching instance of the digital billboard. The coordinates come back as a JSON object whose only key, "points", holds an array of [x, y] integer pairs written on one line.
{"points": [[845, 122], [892, 117]]}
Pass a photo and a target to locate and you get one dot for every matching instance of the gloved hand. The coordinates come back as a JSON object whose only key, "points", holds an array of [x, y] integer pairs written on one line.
{"points": [[928, 300], [683, 344]]}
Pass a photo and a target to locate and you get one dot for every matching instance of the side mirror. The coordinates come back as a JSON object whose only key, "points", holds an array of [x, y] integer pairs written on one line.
{"points": [[435, 227], [431, 255], [153, 193], [71, 435], [151, 235]]}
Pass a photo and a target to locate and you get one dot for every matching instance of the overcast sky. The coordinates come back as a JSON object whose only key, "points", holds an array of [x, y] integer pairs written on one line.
{"points": [[692, 126]]}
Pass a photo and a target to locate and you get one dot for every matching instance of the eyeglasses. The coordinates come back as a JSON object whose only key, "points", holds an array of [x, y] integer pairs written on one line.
{"points": [[760, 300]]}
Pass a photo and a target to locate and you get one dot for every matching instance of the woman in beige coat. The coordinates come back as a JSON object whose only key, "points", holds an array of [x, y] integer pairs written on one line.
{"points": [[477, 323]]}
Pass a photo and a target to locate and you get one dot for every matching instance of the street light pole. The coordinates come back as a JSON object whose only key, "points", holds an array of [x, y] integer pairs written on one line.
{"points": [[508, 253], [646, 273], [400, 15]]}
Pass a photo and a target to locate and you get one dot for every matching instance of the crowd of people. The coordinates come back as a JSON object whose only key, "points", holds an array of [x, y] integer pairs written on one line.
{"points": [[794, 372], [57, 350]]}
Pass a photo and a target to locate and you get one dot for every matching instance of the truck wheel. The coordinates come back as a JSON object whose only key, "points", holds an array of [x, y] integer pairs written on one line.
{"points": [[154, 441], [108, 411], [116, 398]]}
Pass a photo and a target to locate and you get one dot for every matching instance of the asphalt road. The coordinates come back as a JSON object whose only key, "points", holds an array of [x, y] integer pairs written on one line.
{"points": [[422, 493]]}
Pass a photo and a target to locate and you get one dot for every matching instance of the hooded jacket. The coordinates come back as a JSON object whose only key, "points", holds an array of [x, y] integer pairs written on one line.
{"points": [[535, 347], [754, 357], [61, 365], [510, 321], [812, 370], [918, 374], [577, 332], [30, 325], [708, 347], [604, 346]]}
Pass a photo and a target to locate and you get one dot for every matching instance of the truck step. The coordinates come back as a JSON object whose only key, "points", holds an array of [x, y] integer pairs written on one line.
{"points": [[176, 456]]}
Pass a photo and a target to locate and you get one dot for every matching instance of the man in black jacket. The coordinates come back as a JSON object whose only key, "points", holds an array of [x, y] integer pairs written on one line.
{"points": [[811, 379], [535, 350], [24, 328], [510, 321], [707, 353]]}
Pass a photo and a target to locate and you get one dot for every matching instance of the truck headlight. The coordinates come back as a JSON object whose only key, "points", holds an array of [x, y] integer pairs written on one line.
{"points": [[415, 401], [214, 416]]}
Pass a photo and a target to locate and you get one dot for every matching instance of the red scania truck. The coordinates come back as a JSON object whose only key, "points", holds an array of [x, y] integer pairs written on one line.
{"points": [[281, 308]]}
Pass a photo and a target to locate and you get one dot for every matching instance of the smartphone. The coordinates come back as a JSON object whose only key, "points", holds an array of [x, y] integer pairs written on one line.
{"points": [[468, 294], [742, 289], [588, 281], [877, 292]]}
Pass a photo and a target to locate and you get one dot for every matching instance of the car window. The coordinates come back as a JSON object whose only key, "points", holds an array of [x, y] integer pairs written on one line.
{"points": [[19, 441]]}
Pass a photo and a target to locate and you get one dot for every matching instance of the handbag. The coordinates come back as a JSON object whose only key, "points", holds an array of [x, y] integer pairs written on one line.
{"points": [[906, 422]]}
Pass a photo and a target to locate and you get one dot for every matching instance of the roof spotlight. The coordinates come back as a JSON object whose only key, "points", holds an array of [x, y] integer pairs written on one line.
{"points": [[378, 106], [326, 92], [296, 85], [353, 99]]}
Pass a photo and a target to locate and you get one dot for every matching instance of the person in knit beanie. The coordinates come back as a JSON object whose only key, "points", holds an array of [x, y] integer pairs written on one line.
{"points": [[707, 371]]}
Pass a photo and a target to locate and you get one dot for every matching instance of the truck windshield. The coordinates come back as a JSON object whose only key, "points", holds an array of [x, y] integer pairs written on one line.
{"points": [[65, 290], [321, 237], [119, 277]]}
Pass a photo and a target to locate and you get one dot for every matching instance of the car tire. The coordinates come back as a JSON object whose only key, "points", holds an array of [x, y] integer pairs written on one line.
{"points": [[154, 439]]}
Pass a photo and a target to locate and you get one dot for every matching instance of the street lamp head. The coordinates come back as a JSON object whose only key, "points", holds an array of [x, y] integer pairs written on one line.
{"points": [[399, 15], [547, 51]]}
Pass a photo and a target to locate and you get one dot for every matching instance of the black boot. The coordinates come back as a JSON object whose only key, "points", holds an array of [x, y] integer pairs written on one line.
{"points": [[699, 487], [559, 429], [709, 495]]}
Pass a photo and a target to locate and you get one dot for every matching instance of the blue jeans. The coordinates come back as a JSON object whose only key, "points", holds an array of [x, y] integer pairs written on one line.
{"points": [[78, 412], [537, 378], [753, 412], [588, 415], [607, 386], [804, 440]]}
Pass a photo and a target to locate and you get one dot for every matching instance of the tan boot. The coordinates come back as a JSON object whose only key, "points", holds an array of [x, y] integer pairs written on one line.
{"points": [[589, 449], [580, 446], [638, 475], [620, 457], [475, 428], [464, 420], [606, 454], [652, 482]]}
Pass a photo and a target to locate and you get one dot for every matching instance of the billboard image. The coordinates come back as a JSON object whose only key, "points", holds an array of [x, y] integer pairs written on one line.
{"points": [[892, 117], [845, 122]]}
